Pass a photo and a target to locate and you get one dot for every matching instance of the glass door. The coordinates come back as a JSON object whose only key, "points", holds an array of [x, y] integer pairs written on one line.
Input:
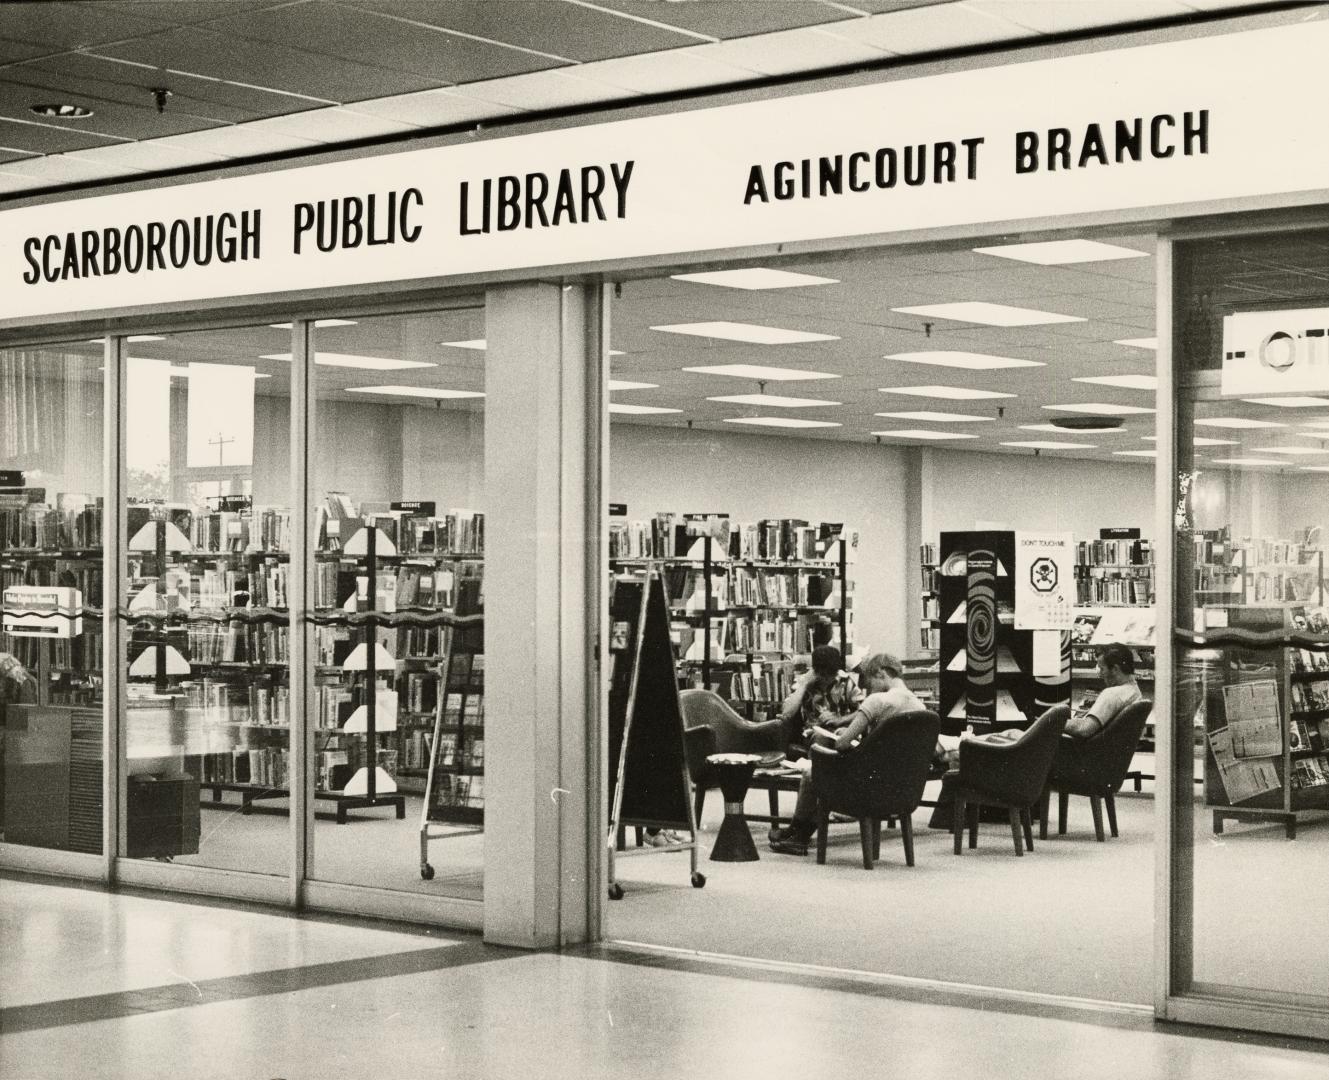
{"points": [[1250, 845]]}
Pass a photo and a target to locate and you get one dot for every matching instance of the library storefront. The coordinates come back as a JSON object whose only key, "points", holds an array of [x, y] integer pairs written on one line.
{"points": [[304, 479]]}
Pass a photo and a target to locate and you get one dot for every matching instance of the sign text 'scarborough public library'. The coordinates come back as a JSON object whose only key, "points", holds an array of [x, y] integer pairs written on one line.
{"points": [[1107, 131]]}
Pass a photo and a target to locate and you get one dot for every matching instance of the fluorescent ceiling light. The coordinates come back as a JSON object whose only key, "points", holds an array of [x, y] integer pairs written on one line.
{"points": [[1296, 450], [1236, 422], [757, 371], [756, 277], [628, 384], [1126, 382], [320, 323], [978, 311], [774, 400], [1136, 453], [1138, 342], [131, 337], [1036, 444], [639, 410], [1057, 252], [952, 393], [414, 391], [1246, 461], [920, 433], [473, 343], [1315, 423], [970, 361], [749, 332], [1199, 440], [781, 421], [349, 360], [936, 417], [1100, 408], [1313, 468], [1062, 431], [1290, 402]]}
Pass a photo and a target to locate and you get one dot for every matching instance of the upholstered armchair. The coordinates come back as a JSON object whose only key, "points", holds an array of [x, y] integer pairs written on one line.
{"points": [[1095, 767], [710, 726]]}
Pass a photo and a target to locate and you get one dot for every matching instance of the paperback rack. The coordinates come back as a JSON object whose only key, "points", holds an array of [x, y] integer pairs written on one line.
{"points": [[650, 781]]}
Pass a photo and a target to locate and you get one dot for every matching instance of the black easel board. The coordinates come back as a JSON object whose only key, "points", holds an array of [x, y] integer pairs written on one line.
{"points": [[652, 772]]}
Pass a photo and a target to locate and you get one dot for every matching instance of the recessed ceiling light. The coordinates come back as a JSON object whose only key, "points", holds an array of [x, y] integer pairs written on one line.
{"points": [[1100, 408], [131, 337], [1047, 444], [781, 421], [1135, 453], [349, 360], [1138, 342], [1062, 430], [951, 393], [1290, 402], [748, 332], [920, 433], [320, 323], [628, 384], [1295, 450], [758, 371], [62, 111], [414, 391], [1235, 422], [755, 277], [639, 410], [1199, 440], [978, 311], [1313, 468], [774, 400], [1126, 382], [473, 343], [936, 417], [1057, 252], [970, 361], [1247, 461]]}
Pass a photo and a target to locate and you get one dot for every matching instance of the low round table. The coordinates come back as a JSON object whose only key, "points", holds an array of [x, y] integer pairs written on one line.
{"points": [[733, 843]]}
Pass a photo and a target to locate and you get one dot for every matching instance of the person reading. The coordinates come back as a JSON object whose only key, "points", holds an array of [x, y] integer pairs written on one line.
{"points": [[824, 697]]}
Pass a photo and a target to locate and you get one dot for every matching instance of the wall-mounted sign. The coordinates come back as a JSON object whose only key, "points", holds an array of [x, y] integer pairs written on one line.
{"points": [[1276, 352], [1169, 127], [42, 611], [1044, 581], [1119, 534]]}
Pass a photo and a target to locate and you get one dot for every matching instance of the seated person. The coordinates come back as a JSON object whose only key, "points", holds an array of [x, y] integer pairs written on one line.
{"points": [[825, 696], [887, 695]]}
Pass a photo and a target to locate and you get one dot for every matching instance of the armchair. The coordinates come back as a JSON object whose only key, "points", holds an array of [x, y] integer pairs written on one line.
{"points": [[882, 778], [710, 726], [1011, 775], [1095, 767]]}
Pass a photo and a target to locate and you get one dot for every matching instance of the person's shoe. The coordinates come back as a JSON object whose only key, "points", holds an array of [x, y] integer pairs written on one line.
{"points": [[841, 819], [789, 846]]}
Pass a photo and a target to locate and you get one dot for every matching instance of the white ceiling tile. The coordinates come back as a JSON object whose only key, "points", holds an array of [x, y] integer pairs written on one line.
{"points": [[677, 69], [431, 108], [10, 183], [540, 90], [146, 156], [238, 140], [940, 26], [330, 125], [791, 51], [1060, 16], [57, 168]]}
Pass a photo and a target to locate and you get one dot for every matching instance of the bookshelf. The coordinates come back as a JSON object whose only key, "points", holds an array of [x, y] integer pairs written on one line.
{"points": [[747, 600], [929, 626]]}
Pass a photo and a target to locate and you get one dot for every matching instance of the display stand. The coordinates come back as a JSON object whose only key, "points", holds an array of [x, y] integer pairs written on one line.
{"points": [[649, 781]]}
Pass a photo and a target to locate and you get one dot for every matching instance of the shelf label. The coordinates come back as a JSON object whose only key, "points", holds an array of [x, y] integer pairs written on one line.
{"points": [[415, 506], [12, 478], [618, 509], [1119, 534]]}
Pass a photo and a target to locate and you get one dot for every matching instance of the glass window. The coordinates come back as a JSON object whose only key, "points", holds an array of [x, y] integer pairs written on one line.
{"points": [[51, 479]]}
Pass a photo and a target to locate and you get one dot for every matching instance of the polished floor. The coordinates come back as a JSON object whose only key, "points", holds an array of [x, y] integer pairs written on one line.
{"points": [[95, 984]]}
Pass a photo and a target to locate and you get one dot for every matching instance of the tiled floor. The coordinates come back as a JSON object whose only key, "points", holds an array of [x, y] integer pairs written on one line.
{"points": [[104, 985]]}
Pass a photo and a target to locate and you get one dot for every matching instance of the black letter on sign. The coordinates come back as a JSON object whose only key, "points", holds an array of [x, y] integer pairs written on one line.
{"points": [[408, 233], [304, 221], [756, 188]]}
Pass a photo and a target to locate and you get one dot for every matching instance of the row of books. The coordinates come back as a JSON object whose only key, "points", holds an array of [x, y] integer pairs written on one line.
{"points": [[81, 654], [1281, 586], [85, 575], [237, 642], [669, 535], [26, 521], [342, 585], [267, 766], [1260, 551], [452, 789], [456, 531], [762, 682], [1131, 589], [255, 529], [223, 586], [756, 633], [1114, 553], [465, 753], [259, 702]]}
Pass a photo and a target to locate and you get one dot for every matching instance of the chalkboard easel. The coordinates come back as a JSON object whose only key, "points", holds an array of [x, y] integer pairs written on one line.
{"points": [[650, 781]]}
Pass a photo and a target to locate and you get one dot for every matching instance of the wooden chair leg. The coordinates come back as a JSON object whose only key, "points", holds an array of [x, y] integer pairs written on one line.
{"points": [[1063, 806], [698, 802], [865, 838], [973, 825], [1096, 805], [1110, 801], [890, 823], [1027, 820], [907, 835], [1014, 815], [773, 800], [1044, 805], [640, 833], [957, 825], [823, 827], [876, 839]]}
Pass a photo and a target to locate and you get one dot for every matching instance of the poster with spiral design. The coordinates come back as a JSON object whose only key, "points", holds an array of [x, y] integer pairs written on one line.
{"points": [[981, 637]]}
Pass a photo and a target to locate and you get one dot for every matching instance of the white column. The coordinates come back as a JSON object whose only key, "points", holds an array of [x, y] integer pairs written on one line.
{"points": [[543, 767]]}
